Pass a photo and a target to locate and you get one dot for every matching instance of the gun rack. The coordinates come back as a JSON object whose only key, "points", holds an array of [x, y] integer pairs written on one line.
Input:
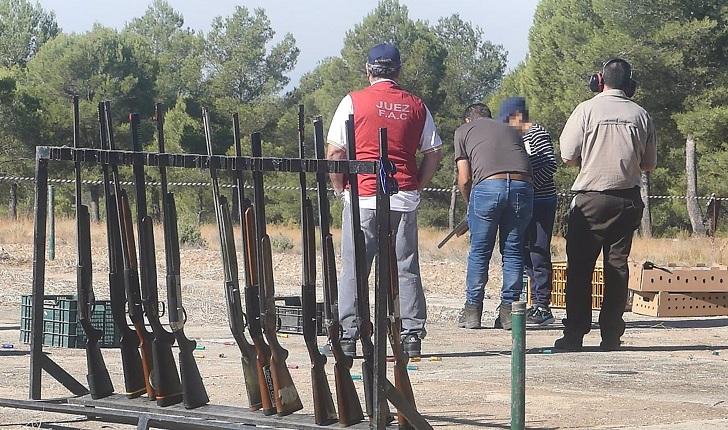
{"points": [[118, 408]]}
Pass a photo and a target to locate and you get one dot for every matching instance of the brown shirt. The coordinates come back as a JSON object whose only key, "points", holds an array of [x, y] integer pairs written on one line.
{"points": [[491, 147], [614, 138]]}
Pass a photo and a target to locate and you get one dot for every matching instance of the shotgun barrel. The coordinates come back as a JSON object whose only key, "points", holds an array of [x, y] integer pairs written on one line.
{"points": [[323, 402], [99, 382], [285, 394], [347, 399], [129, 341]]}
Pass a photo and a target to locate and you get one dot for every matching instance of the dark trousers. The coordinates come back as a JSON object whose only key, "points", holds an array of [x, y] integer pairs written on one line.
{"points": [[599, 222], [537, 250]]}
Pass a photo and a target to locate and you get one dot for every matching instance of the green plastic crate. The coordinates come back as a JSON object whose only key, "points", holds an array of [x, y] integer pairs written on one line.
{"points": [[60, 322]]}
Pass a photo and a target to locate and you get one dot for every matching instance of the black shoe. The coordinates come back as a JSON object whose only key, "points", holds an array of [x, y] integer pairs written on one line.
{"points": [[348, 346], [412, 345], [569, 344], [610, 344], [539, 315], [504, 317]]}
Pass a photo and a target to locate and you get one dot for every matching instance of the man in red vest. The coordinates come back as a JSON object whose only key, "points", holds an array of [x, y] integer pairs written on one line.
{"points": [[410, 129]]}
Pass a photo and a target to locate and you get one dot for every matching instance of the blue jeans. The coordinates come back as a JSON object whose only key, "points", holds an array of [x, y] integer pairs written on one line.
{"points": [[537, 249], [500, 206]]}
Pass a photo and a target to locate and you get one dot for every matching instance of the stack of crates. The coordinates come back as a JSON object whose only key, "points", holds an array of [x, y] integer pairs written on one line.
{"points": [[558, 285], [60, 322]]}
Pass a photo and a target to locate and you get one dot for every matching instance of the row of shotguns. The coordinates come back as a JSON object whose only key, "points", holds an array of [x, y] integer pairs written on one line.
{"points": [[147, 357]]}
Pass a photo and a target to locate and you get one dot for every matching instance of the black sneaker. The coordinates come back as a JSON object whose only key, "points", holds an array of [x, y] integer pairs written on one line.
{"points": [[412, 345], [539, 315], [349, 347]]}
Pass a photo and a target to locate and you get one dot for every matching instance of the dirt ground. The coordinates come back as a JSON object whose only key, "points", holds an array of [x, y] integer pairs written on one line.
{"points": [[672, 373]]}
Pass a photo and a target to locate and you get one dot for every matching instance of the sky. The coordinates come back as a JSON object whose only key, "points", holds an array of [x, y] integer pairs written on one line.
{"points": [[318, 25]]}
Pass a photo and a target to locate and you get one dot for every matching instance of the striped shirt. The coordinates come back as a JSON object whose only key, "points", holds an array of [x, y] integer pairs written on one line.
{"points": [[543, 163]]}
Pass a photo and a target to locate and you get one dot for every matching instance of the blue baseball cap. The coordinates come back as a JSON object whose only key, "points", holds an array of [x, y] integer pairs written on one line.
{"points": [[511, 106], [385, 55]]}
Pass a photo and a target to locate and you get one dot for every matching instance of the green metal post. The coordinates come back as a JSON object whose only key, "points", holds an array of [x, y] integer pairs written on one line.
{"points": [[51, 223], [518, 366]]}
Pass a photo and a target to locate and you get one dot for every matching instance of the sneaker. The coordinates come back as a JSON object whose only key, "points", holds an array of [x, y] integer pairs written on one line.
{"points": [[412, 345], [470, 316], [504, 317], [539, 315], [349, 347], [569, 344]]}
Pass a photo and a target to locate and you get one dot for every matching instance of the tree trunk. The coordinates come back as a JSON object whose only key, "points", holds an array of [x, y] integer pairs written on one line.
{"points": [[13, 204], [453, 200], [646, 224], [691, 170], [94, 206]]}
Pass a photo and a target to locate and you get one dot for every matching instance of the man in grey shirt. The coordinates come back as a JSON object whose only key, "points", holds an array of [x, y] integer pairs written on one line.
{"points": [[612, 139], [494, 177]]}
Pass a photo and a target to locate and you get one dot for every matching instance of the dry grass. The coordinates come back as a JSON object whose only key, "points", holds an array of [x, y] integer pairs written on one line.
{"points": [[682, 250]]}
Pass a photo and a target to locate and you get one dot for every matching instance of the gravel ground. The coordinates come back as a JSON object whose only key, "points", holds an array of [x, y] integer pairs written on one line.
{"points": [[671, 374]]}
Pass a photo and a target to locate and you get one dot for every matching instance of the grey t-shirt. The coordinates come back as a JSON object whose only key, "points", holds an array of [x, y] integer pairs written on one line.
{"points": [[491, 147]]}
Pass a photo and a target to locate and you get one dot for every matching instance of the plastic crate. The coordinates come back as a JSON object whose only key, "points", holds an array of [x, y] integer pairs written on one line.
{"points": [[558, 286], [60, 322], [290, 315]]}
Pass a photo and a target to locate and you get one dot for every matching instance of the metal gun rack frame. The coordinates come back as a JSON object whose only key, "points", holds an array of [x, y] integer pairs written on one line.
{"points": [[142, 413]]}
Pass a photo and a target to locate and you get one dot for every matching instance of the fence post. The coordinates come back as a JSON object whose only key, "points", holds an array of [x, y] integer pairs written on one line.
{"points": [[518, 366], [51, 223], [13, 205]]}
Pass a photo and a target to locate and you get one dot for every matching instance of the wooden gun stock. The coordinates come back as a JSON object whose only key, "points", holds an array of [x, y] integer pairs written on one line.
{"points": [[401, 377], [286, 396], [133, 293], [252, 306], [323, 402]]}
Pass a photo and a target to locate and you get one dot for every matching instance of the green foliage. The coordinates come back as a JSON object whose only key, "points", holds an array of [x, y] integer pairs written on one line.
{"points": [[24, 28], [281, 243], [677, 49], [190, 235]]}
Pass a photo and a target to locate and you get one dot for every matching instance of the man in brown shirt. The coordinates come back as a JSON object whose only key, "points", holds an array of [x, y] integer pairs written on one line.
{"points": [[612, 140]]}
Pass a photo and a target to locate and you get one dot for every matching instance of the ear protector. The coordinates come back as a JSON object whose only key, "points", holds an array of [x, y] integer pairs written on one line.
{"points": [[596, 81]]}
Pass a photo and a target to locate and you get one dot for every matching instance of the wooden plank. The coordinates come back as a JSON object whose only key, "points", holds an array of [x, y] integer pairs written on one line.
{"points": [[207, 412]]}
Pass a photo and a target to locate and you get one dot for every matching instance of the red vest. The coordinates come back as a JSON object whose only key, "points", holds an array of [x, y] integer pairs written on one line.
{"points": [[403, 115]]}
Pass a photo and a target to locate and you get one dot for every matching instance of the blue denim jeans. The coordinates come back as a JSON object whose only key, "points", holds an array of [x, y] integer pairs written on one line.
{"points": [[537, 249], [500, 206]]}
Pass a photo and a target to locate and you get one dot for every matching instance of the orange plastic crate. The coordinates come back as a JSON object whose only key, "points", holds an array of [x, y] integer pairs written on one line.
{"points": [[558, 286]]}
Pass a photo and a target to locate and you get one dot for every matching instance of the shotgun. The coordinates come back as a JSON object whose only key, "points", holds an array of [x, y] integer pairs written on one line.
{"points": [[285, 394], [134, 295], [362, 287], [165, 379], [252, 291], [323, 402], [236, 317], [193, 390], [131, 274], [99, 382], [458, 231], [347, 399], [131, 362]]}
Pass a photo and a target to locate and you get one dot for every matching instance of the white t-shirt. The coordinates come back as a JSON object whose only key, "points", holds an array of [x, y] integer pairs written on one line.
{"points": [[403, 201]]}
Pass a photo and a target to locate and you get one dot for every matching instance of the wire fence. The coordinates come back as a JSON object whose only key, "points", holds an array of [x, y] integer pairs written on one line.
{"points": [[16, 179]]}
